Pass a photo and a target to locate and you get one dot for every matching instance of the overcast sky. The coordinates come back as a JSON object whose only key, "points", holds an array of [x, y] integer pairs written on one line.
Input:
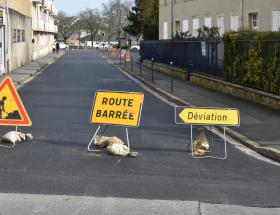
{"points": [[72, 7]]}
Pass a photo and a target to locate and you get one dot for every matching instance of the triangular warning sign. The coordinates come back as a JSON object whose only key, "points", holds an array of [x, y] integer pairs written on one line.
{"points": [[12, 111]]}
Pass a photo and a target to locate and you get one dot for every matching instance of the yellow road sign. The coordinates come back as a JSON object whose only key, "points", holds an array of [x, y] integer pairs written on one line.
{"points": [[210, 116], [117, 108], [12, 111]]}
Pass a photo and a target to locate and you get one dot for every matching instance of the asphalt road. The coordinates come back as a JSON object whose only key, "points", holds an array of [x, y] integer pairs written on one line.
{"points": [[56, 162]]}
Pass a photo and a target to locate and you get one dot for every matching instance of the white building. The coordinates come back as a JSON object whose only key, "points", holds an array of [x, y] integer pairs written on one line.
{"points": [[227, 15], [26, 31], [43, 15]]}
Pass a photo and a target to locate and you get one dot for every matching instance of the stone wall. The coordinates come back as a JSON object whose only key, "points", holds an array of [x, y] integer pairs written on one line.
{"points": [[235, 90], [178, 73], [238, 91]]}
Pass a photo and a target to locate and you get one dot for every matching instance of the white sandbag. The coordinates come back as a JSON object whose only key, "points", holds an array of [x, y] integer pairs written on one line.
{"points": [[201, 145], [107, 141], [114, 146], [16, 137], [118, 149]]}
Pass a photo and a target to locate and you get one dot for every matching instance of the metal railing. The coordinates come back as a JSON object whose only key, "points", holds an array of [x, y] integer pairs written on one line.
{"points": [[195, 55]]}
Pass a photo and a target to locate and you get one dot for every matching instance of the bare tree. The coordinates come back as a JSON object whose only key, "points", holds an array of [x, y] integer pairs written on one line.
{"points": [[66, 25], [91, 21], [114, 17]]}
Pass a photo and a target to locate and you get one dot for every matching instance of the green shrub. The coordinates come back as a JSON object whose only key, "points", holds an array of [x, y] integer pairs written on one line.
{"points": [[253, 58]]}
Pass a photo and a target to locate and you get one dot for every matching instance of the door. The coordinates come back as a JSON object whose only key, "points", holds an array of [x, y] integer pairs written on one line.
{"points": [[2, 50]]}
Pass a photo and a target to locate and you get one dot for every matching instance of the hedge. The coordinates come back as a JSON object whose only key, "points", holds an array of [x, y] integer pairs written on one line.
{"points": [[253, 59]]}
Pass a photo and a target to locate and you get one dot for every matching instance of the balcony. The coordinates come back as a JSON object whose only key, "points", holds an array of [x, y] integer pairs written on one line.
{"points": [[54, 12], [43, 5], [42, 26], [37, 1]]}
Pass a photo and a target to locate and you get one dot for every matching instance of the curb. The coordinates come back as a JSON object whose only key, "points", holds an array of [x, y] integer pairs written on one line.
{"points": [[271, 153]]}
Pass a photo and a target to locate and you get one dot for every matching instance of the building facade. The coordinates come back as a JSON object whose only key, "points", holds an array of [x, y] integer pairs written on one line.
{"points": [[25, 33], [15, 29], [227, 15], [44, 29]]}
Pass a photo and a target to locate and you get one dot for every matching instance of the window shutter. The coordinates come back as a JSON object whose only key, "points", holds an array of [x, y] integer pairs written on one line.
{"points": [[185, 25], [275, 21]]}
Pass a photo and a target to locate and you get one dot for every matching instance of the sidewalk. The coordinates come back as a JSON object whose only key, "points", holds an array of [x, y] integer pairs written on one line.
{"points": [[259, 128], [23, 73]]}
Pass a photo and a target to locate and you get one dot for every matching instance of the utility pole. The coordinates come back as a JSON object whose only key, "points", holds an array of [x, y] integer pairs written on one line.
{"points": [[172, 18], [7, 39], [242, 14], [119, 22]]}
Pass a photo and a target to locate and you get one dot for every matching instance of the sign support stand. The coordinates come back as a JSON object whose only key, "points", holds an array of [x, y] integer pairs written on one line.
{"points": [[219, 158], [92, 140], [14, 144], [127, 138], [95, 134]]}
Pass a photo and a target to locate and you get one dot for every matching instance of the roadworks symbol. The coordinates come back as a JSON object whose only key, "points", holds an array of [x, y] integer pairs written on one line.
{"points": [[12, 111]]}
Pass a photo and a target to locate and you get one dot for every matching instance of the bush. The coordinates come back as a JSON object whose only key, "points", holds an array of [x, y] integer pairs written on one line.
{"points": [[253, 59]]}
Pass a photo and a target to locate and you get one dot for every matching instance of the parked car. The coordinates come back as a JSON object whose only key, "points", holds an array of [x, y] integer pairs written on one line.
{"points": [[94, 44], [135, 48], [73, 45], [63, 45], [103, 46]]}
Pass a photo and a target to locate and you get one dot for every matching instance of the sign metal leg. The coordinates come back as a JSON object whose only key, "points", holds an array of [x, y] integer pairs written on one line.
{"points": [[8, 147], [127, 138], [125, 133], [13, 144], [92, 140], [214, 157]]}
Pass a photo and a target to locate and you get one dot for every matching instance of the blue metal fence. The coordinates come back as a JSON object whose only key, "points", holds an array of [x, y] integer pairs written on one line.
{"points": [[194, 55]]}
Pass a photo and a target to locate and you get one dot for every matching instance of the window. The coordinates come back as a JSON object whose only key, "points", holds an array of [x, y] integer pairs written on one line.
{"points": [[185, 25], [14, 36], [195, 26], [18, 36], [253, 21], [221, 25], [275, 20], [178, 26], [165, 30], [22, 35], [234, 23], [208, 22]]}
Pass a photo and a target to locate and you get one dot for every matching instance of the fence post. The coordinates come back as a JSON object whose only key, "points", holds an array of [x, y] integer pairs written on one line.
{"points": [[120, 56], [140, 65], [131, 60], [171, 78], [152, 69], [125, 58]]}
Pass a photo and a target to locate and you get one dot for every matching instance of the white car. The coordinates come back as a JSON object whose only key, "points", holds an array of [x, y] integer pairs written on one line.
{"points": [[93, 44], [135, 48], [103, 46], [63, 45]]}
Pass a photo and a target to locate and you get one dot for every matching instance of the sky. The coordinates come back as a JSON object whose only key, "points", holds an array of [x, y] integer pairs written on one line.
{"points": [[73, 7]]}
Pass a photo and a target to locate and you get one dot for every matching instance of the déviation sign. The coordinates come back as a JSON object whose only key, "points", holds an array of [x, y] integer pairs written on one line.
{"points": [[117, 108], [207, 116]]}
